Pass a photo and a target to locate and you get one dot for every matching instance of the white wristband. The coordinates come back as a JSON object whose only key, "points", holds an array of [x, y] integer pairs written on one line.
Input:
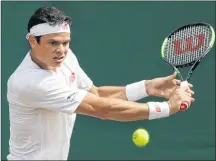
{"points": [[158, 110], [136, 91]]}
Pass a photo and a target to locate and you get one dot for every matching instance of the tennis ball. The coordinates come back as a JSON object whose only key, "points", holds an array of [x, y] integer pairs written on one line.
{"points": [[140, 137]]}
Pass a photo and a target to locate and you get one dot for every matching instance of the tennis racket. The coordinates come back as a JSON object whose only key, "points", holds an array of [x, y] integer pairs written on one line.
{"points": [[185, 47]]}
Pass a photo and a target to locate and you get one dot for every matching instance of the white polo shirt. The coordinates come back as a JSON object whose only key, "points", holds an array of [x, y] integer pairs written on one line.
{"points": [[41, 107]]}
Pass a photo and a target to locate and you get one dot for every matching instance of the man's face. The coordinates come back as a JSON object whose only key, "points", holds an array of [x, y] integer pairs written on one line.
{"points": [[52, 49]]}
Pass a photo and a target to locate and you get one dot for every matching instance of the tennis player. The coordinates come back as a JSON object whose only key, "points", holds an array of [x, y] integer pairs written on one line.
{"points": [[49, 88]]}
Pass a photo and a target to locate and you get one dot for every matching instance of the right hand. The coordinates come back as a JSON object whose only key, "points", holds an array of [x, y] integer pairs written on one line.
{"points": [[179, 95]]}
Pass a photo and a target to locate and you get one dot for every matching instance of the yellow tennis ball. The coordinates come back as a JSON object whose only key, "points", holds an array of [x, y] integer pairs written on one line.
{"points": [[140, 137]]}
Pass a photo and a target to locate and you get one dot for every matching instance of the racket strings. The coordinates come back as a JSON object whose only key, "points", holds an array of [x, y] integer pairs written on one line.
{"points": [[180, 52]]}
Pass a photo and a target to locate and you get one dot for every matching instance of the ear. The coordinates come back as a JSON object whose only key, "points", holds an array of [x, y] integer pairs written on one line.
{"points": [[32, 41]]}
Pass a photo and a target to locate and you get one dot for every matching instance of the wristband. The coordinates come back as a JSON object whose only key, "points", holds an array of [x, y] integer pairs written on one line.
{"points": [[158, 110], [136, 91]]}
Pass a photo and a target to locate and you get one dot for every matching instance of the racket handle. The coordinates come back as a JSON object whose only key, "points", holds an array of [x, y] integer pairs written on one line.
{"points": [[184, 105]]}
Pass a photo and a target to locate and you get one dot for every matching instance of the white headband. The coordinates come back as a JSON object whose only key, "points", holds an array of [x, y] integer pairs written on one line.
{"points": [[45, 28]]}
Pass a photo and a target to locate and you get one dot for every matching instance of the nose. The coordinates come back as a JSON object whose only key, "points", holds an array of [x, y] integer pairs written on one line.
{"points": [[60, 49]]}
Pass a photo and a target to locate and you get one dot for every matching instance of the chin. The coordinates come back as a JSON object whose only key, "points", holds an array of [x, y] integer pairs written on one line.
{"points": [[57, 64]]}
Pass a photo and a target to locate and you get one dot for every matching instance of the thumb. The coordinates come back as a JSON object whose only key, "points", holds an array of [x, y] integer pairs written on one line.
{"points": [[173, 76]]}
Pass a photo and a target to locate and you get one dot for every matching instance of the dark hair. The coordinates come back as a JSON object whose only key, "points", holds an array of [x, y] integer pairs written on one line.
{"points": [[50, 15]]}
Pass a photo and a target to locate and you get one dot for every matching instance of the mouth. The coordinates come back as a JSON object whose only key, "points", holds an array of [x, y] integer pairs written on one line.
{"points": [[58, 59]]}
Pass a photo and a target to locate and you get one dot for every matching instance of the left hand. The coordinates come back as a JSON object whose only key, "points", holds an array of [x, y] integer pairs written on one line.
{"points": [[163, 87]]}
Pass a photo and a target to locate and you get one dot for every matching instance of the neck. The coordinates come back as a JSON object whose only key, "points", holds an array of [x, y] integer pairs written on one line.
{"points": [[40, 63]]}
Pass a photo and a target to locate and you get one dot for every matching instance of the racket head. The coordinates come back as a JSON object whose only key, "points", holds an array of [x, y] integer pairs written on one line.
{"points": [[187, 45]]}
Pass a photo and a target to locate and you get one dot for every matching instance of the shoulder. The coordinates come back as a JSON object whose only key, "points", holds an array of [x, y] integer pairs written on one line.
{"points": [[28, 85], [28, 80]]}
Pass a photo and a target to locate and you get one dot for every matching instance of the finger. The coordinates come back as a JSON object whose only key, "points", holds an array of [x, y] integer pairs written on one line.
{"points": [[188, 99], [187, 88], [190, 85], [176, 82], [188, 94], [192, 100], [173, 76], [186, 91], [190, 91], [184, 88]]}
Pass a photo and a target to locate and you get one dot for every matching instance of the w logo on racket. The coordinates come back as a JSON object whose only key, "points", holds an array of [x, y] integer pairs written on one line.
{"points": [[188, 44]]}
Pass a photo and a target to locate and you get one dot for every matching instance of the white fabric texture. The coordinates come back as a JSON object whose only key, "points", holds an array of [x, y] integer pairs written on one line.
{"points": [[158, 110], [45, 28], [136, 91], [41, 108]]}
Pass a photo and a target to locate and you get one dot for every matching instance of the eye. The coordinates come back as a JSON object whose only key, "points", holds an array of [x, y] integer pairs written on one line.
{"points": [[53, 43], [65, 43]]}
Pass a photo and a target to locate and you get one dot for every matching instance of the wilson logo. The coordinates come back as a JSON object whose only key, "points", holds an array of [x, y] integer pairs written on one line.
{"points": [[189, 45]]}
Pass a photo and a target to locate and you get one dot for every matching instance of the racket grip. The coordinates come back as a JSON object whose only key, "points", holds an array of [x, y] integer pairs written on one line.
{"points": [[184, 105]]}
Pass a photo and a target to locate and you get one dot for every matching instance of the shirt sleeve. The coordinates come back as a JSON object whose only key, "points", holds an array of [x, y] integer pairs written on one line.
{"points": [[52, 94], [84, 82]]}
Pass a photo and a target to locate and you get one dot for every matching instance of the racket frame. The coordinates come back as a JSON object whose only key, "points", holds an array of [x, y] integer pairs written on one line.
{"points": [[195, 63]]}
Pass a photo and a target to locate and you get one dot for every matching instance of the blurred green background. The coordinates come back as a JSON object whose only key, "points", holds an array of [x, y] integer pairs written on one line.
{"points": [[118, 43]]}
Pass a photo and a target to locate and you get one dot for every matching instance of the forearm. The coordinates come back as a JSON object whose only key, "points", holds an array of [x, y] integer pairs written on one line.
{"points": [[130, 92], [119, 110], [112, 92], [126, 111]]}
